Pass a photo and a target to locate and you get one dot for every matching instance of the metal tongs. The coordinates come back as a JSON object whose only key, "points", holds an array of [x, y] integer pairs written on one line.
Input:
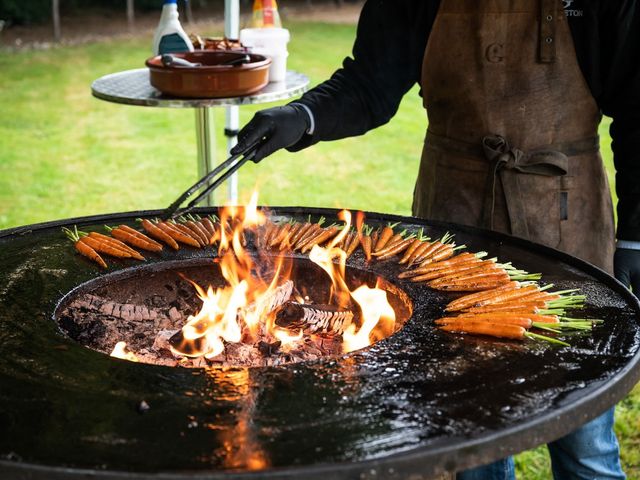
{"points": [[222, 172]]}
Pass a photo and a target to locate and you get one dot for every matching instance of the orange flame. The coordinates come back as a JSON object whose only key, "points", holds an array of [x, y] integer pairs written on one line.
{"points": [[120, 351], [233, 312]]}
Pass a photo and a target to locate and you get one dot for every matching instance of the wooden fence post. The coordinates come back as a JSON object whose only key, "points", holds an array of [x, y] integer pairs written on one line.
{"points": [[55, 13], [131, 16]]}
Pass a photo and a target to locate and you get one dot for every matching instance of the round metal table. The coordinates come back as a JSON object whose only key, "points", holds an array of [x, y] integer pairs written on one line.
{"points": [[132, 87]]}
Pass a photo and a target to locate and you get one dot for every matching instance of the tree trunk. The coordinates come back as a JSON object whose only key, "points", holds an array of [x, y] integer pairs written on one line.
{"points": [[131, 18], [55, 13]]}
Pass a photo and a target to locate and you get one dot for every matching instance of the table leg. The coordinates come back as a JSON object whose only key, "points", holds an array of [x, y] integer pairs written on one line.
{"points": [[206, 145], [231, 132]]}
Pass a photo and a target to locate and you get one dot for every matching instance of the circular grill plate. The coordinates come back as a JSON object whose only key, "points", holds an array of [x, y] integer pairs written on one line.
{"points": [[417, 403]]}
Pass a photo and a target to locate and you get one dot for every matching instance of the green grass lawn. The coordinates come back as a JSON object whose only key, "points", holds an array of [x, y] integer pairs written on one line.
{"points": [[65, 154]]}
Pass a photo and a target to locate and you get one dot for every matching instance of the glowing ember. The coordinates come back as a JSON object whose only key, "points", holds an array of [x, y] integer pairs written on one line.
{"points": [[120, 351]]}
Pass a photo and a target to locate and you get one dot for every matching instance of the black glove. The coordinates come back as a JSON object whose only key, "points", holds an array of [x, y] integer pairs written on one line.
{"points": [[281, 127], [626, 267]]}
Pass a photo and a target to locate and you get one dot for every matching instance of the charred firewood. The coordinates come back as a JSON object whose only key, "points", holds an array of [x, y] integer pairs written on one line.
{"points": [[316, 319], [126, 311], [269, 303]]}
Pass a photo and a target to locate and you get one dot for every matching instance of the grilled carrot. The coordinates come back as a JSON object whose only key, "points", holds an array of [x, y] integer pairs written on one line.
{"points": [[484, 328], [199, 230], [208, 226], [114, 242], [443, 272], [186, 231], [82, 248], [480, 273], [374, 237], [352, 244], [138, 235], [300, 233], [418, 252], [511, 308], [325, 235], [178, 235], [488, 283], [280, 234], [507, 292], [520, 321], [397, 249], [285, 243], [385, 235], [429, 252], [443, 253], [393, 241], [365, 241], [135, 241], [412, 248], [459, 260], [313, 230], [159, 234], [101, 246]]}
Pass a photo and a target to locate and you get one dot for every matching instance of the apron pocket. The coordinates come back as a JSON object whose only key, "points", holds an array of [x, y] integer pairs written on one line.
{"points": [[542, 198]]}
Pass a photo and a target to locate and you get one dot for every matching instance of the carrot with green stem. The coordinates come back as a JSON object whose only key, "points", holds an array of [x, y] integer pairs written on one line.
{"points": [[134, 238], [364, 235], [193, 231], [434, 248], [301, 231], [177, 235], [315, 227], [185, 231], [476, 284], [510, 290], [325, 235], [465, 258], [114, 242], [82, 248], [280, 235], [385, 236], [517, 320], [198, 228], [420, 238], [460, 268], [512, 332], [158, 233], [393, 241], [366, 242]]}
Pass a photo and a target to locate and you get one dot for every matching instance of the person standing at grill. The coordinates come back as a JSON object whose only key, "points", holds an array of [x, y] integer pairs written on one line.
{"points": [[514, 91]]}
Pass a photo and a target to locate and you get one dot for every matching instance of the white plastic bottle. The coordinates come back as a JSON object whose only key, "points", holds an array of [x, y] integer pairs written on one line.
{"points": [[169, 36]]}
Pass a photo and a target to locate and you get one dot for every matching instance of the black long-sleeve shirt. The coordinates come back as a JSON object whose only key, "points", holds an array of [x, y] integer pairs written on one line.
{"points": [[387, 61]]}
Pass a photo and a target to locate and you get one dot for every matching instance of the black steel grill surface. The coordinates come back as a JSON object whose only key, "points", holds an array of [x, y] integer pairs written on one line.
{"points": [[419, 402]]}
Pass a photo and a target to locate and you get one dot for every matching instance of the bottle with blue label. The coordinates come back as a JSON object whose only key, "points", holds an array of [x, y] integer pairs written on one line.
{"points": [[169, 36]]}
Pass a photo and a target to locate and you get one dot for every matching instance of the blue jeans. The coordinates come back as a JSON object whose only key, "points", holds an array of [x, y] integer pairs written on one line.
{"points": [[589, 453]]}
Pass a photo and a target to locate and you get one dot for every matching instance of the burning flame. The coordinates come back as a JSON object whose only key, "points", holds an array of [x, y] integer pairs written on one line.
{"points": [[120, 351], [375, 307], [239, 311]]}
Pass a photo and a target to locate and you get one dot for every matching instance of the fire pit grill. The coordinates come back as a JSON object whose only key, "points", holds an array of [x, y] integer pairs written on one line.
{"points": [[417, 403]]}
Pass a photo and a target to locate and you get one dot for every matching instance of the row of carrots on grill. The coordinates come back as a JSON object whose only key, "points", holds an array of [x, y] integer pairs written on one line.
{"points": [[506, 302], [512, 310]]}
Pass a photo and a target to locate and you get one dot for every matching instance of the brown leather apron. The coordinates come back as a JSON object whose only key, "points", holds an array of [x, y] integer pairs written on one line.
{"points": [[512, 140]]}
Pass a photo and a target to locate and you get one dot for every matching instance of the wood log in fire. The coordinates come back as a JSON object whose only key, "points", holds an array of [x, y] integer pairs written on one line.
{"points": [[313, 318]]}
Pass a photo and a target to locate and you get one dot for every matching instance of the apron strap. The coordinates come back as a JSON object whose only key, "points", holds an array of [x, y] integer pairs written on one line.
{"points": [[547, 40]]}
